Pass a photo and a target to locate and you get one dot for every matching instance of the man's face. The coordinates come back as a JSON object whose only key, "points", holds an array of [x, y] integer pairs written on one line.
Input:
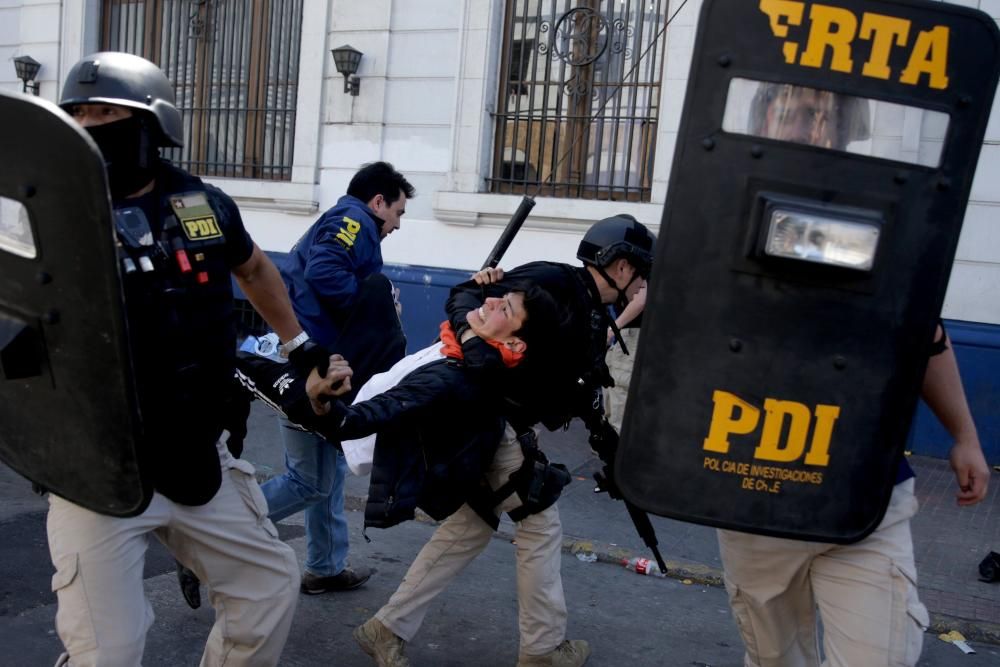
{"points": [[390, 213], [91, 115], [626, 277], [498, 318], [803, 116]]}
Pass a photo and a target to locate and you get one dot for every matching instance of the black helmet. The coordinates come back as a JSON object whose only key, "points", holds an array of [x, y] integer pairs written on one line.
{"points": [[118, 78], [618, 236]]}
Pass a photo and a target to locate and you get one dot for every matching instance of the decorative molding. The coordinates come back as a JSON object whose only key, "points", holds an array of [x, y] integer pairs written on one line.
{"points": [[550, 213]]}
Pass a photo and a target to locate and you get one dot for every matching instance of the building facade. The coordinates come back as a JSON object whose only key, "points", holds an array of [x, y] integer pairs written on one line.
{"points": [[478, 102]]}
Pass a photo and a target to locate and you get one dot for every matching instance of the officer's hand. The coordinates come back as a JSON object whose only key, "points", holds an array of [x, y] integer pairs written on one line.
{"points": [[971, 471], [488, 276], [637, 304], [477, 353], [309, 355], [337, 382]]}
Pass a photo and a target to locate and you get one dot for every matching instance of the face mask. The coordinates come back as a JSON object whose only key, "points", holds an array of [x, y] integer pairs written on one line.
{"points": [[129, 154]]}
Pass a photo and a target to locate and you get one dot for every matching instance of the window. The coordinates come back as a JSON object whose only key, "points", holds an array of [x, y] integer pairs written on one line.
{"points": [[838, 121], [579, 98], [235, 70]]}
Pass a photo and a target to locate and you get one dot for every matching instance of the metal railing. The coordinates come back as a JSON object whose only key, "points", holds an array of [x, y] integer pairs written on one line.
{"points": [[235, 68], [579, 98]]}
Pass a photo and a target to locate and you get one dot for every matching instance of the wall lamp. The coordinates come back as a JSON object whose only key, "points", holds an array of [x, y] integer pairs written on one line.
{"points": [[27, 68], [347, 58]]}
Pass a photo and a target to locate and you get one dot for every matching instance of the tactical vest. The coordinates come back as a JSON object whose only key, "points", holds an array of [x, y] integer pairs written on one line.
{"points": [[178, 299]]}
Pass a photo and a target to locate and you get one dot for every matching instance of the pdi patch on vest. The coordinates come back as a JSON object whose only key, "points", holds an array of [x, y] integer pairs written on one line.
{"points": [[196, 216]]}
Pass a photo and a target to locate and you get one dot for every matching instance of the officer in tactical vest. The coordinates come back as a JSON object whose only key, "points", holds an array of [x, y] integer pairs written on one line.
{"points": [[179, 241], [617, 254], [866, 592]]}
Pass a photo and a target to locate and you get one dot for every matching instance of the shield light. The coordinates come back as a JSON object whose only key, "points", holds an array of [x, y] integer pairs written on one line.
{"points": [[822, 239]]}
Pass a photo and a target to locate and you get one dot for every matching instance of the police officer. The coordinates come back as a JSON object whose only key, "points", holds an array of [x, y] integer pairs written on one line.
{"points": [[179, 241], [866, 592], [332, 275], [617, 254]]}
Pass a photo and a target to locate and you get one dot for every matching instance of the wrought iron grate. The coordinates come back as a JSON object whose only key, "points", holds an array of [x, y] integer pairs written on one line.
{"points": [[235, 68], [579, 98]]}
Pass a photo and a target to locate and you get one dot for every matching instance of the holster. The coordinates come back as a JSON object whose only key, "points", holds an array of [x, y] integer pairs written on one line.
{"points": [[538, 483]]}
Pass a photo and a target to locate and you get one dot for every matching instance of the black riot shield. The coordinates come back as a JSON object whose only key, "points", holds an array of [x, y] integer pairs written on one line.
{"points": [[823, 165], [67, 405]]}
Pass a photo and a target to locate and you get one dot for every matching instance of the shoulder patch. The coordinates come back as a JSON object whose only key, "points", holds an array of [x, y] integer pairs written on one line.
{"points": [[196, 216]]}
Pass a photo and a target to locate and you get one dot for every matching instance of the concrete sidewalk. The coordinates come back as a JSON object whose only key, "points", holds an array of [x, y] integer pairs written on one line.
{"points": [[949, 541]]}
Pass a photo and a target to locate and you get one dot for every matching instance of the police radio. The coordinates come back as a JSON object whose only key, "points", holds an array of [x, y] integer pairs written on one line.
{"points": [[136, 238]]}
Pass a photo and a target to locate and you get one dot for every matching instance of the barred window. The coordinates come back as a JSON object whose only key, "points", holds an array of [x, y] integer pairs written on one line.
{"points": [[579, 98], [235, 68]]}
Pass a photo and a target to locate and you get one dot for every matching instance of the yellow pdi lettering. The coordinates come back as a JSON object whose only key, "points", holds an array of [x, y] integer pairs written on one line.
{"points": [[199, 229], [726, 421], [348, 234], [771, 448], [731, 415], [819, 452]]}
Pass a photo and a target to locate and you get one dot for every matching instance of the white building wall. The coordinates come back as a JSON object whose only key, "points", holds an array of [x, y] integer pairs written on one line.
{"points": [[429, 80]]}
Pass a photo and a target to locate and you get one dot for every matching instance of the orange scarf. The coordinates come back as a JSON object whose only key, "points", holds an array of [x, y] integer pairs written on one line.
{"points": [[453, 349]]}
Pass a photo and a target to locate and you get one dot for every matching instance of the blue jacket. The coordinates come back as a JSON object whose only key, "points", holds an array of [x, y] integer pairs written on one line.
{"points": [[324, 267]]}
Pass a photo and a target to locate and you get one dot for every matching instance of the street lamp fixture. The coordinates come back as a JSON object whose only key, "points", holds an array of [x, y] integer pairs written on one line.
{"points": [[27, 68], [347, 58]]}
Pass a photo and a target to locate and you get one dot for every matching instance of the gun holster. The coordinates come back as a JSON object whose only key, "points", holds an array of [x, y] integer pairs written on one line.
{"points": [[538, 483]]}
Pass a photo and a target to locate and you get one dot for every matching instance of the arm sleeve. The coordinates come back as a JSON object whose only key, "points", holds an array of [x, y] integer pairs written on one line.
{"points": [[411, 399], [239, 245], [339, 258]]}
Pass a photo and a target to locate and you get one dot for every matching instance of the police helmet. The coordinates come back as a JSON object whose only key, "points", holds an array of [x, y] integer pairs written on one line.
{"points": [[615, 237], [112, 77], [853, 121]]}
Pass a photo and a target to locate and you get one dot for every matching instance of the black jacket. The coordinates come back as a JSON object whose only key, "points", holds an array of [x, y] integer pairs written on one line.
{"points": [[438, 430]]}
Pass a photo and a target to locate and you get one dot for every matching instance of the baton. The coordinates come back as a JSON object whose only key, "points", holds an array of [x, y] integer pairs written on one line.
{"points": [[509, 232]]}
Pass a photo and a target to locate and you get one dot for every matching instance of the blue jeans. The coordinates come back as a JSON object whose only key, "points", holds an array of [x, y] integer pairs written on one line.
{"points": [[314, 482]]}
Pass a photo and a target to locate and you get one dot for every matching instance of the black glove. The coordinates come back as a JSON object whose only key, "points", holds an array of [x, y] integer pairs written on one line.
{"points": [[477, 353], [604, 440], [310, 355], [605, 479]]}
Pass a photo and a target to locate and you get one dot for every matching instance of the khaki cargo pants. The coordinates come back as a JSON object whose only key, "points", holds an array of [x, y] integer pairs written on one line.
{"points": [[464, 535], [230, 544], [866, 594]]}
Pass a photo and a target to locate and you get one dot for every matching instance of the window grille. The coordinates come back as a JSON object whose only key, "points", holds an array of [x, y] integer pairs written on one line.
{"points": [[579, 98], [235, 68]]}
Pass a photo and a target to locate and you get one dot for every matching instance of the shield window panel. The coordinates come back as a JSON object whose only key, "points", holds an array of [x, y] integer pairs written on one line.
{"points": [[579, 96], [835, 121], [235, 70], [16, 236]]}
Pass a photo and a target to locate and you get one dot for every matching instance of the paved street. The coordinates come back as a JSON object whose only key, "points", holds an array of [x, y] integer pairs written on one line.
{"points": [[629, 619]]}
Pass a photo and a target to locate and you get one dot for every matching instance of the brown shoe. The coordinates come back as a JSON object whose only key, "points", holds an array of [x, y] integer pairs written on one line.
{"points": [[381, 643], [346, 580], [571, 653]]}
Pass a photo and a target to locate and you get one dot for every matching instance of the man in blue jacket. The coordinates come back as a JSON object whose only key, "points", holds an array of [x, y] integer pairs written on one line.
{"points": [[331, 273]]}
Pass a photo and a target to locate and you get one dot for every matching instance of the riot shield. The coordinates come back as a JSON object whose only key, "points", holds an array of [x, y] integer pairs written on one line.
{"points": [[824, 161], [67, 404]]}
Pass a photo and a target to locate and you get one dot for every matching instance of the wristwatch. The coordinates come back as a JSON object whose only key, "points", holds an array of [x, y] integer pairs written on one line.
{"points": [[286, 349]]}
